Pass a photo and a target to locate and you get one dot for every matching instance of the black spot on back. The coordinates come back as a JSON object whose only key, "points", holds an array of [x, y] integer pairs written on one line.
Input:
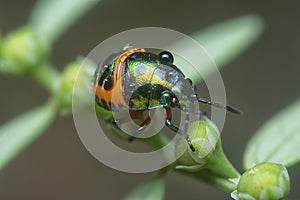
{"points": [[104, 75], [142, 91], [108, 83]]}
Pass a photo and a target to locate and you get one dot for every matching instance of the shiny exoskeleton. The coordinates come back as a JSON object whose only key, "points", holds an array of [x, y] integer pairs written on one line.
{"points": [[140, 79]]}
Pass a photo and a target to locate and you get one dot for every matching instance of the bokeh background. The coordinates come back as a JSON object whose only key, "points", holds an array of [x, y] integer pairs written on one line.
{"points": [[261, 82]]}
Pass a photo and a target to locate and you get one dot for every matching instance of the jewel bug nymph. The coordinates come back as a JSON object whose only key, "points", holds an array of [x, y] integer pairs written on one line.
{"points": [[141, 80]]}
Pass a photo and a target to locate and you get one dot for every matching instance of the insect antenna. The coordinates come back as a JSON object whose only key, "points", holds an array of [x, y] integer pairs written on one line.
{"points": [[219, 105]]}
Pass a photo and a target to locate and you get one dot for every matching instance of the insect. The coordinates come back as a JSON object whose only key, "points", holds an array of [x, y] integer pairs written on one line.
{"points": [[141, 80]]}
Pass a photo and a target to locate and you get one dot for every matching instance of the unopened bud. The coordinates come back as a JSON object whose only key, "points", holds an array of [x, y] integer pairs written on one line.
{"points": [[204, 136], [262, 182], [66, 84], [21, 52]]}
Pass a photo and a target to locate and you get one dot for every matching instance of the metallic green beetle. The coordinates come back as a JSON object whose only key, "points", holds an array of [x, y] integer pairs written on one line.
{"points": [[142, 80]]}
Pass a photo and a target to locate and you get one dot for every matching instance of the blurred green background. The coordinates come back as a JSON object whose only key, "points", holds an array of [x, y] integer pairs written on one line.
{"points": [[262, 81]]}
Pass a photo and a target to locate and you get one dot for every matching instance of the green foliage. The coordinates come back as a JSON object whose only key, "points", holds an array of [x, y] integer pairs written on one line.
{"points": [[151, 189], [52, 18], [22, 52], [277, 140], [224, 42], [26, 52], [1, 40], [18, 133], [227, 40], [264, 181], [66, 83]]}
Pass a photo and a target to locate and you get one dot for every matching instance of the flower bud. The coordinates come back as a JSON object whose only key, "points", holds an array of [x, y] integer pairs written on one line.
{"points": [[264, 181], [77, 82], [21, 52], [204, 136], [66, 84]]}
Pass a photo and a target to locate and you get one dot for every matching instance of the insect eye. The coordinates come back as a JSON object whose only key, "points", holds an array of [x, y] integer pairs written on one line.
{"points": [[102, 73], [164, 99], [165, 57]]}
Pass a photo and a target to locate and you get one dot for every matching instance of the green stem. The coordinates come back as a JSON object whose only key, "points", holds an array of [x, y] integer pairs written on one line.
{"points": [[216, 170], [157, 141], [218, 163], [222, 183], [219, 171], [47, 76]]}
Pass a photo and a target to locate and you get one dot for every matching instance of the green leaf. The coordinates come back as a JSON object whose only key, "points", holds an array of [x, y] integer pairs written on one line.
{"points": [[227, 40], [18, 133], [277, 140], [52, 18], [1, 40], [153, 188], [224, 41]]}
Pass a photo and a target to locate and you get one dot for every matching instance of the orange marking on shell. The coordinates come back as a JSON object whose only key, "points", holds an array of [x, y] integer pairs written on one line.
{"points": [[115, 95]]}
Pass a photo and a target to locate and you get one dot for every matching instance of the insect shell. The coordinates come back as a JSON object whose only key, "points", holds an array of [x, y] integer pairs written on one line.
{"points": [[140, 79]]}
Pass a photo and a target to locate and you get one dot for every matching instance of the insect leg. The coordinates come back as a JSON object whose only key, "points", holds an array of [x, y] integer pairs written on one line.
{"points": [[134, 115], [176, 129], [143, 126]]}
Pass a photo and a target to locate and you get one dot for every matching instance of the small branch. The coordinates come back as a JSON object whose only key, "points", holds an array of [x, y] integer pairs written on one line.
{"points": [[47, 76]]}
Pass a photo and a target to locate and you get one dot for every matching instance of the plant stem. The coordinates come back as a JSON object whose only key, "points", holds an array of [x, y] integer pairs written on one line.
{"points": [[217, 171], [222, 183], [47, 76], [218, 163], [157, 141]]}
